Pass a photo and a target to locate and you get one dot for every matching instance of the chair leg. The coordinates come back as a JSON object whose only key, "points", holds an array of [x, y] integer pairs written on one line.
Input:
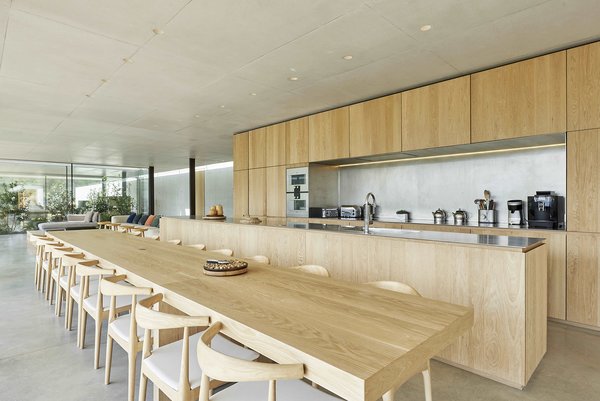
{"points": [[83, 317], [51, 290], [108, 363], [59, 299], [48, 280], [427, 384], [131, 380], [97, 342], [143, 387], [69, 317]]}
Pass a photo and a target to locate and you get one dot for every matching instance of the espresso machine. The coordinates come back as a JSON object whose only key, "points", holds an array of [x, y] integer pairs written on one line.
{"points": [[545, 209], [515, 212]]}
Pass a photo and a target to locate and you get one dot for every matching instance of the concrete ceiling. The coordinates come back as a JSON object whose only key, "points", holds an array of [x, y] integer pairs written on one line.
{"points": [[142, 82]]}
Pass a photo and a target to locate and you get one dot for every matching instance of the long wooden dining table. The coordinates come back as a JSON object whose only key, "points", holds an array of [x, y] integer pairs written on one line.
{"points": [[355, 340]]}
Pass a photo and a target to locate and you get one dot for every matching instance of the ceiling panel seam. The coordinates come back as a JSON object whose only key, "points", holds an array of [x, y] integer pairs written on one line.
{"points": [[5, 35]]}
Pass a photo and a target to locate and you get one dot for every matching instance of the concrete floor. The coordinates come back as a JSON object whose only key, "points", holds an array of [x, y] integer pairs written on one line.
{"points": [[39, 359]]}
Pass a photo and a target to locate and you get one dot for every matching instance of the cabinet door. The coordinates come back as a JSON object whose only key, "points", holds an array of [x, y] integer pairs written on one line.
{"points": [[240, 151], [276, 196], [437, 115], [257, 144], [375, 126], [583, 181], [583, 266], [240, 193], [275, 147], [328, 135], [257, 192], [520, 99], [296, 144], [583, 87]]}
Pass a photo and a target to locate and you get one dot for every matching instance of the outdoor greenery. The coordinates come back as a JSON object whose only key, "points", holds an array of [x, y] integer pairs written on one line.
{"points": [[58, 201], [14, 209], [110, 205]]}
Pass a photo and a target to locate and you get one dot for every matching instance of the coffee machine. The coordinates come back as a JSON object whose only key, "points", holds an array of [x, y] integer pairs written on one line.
{"points": [[545, 209], [515, 212]]}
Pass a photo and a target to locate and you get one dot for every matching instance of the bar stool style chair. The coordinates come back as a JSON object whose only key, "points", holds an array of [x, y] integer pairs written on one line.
{"points": [[173, 368], [174, 241], [283, 380], [200, 247], [312, 269], [405, 289], [224, 251], [259, 259], [123, 329]]}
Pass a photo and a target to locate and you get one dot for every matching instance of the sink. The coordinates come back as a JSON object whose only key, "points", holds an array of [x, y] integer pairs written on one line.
{"points": [[390, 232]]}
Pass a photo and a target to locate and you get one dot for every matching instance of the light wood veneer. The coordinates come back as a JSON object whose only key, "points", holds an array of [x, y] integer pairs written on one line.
{"points": [[583, 87], [257, 145], [240, 151], [296, 145], [329, 135]]}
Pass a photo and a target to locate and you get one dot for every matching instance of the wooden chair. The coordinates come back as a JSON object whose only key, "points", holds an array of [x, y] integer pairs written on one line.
{"points": [[312, 269], [259, 259], [56, 252], [173, 368], [60, 274], [405, 289], [48, 267], [224, 251], [43, 259], [69, 284], [123, 329], [174, 241], [201, 247], [283, 380]]}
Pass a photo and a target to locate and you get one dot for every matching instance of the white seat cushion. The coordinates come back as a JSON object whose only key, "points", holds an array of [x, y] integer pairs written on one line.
{"points": [[165, 361], [287, 390], [91, 301], [76, 288], [120, 327], [55, 273]]}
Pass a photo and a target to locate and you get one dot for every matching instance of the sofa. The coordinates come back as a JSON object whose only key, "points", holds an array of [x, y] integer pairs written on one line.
{"points": [[74, 222], [153, 230]]}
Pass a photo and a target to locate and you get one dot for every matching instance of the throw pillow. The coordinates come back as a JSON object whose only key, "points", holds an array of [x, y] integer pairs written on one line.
{"points": [[87, 218], [142, 219], [136, 218], [149, 220], [156, 221], [130, 218], [96, 217]]}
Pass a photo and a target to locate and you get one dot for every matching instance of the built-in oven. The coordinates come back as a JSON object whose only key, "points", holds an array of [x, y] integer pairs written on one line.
{"points": [[297, 204], [297, 192], [297, 179]]}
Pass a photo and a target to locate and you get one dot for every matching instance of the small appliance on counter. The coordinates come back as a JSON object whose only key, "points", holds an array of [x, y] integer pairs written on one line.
{"points": [[545, 209], [323, 212], [487, 209], [439, 216], [297, 192], [350, 212], [515, 212], [403, 216], [460, 217]]}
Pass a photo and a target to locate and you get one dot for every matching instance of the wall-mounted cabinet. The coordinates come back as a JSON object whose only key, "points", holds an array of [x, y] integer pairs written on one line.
{"points": [[275, 145], [520, 99], [437, 115], [240, 151], [583, 87], [583, 181], [296, 144], [240, 193], [276, 196], [375, 126], [583, 278], [257, 148], [329, 135], [257, 192]]}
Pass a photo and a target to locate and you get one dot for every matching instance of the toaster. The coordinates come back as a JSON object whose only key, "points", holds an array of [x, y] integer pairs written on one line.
{"points": [[323, 212], [353, 212]]}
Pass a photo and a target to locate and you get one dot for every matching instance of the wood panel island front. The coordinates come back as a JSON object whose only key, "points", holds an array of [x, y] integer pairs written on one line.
{"points": [[503, 278]]}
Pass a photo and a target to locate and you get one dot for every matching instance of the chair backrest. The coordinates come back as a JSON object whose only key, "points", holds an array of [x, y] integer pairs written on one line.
{"points": [[224, 251], [201, 247], [85, 270], [174, 241], [152, 320], [222, 367], [259, 259], [312, 269], [396, 286]]}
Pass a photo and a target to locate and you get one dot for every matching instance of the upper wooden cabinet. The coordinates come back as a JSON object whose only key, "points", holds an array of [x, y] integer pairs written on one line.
{"points": [[240, 151], [583, 181], [583, 87], [257, 145], [240, 193], [437, 115], [275, 145], [520, 99], [257, 192], [296, 144], [375, 126], [329, 135]]}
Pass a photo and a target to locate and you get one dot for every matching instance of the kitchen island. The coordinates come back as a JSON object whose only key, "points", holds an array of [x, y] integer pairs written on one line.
{"points": [[503, 278]]}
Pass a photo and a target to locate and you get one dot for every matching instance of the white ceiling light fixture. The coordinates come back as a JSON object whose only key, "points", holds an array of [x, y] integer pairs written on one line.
{"points": [[348, 57], [253, 94], [197, 116], [425, 28], [158, 31], [222, 106], [293, 78]]}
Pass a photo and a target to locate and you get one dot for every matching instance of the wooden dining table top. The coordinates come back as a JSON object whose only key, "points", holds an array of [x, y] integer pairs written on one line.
{"points": [[354, 339]]}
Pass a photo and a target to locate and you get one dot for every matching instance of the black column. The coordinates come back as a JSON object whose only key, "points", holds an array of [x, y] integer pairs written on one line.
{"points": [[151, 190], [192, 187]]}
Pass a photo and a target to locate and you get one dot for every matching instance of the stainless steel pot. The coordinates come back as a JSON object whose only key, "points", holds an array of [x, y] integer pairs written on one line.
{"points": [[460, 217], [439, 216]]}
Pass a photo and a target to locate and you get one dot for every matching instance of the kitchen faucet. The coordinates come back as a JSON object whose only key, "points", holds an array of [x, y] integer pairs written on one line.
{"points": [[368, 208]]}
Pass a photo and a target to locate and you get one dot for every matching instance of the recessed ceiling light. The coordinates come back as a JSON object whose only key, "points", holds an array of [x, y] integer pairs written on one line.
{"points": [[293, 78], [253, 94], [158, 31], [197, 116], [292, 69], [348, 57], [425, 28], [222, 106]]}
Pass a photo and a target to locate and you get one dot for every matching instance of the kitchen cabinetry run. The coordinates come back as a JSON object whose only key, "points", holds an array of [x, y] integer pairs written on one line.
{"points": [[296, 144], [275, 186], [240, 151], [257, 192], [520, 99], [437, 115], [329, 135], [583, 181], [583, 278], [275, 145], [583, 87], [240, 193], [257, 145], [375, 126]]}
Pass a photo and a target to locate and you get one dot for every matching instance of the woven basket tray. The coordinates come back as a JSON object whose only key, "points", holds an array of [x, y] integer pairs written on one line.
{"points": [[232, 268]]}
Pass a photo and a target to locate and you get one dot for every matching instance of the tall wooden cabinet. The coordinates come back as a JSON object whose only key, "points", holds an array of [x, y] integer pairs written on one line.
{"points": [[329, 135], [437, 115], [583, 87], [275, 187], [240, 151], [257, 145], [275, 144], [296, 144], [257, 192], [520, 99], [240, 193], [583, 278], [375, 126]]}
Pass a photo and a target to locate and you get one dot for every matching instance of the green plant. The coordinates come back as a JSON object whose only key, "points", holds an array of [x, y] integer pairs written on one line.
{"points": [[14, 207], [113, 205], [58, 201]]}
